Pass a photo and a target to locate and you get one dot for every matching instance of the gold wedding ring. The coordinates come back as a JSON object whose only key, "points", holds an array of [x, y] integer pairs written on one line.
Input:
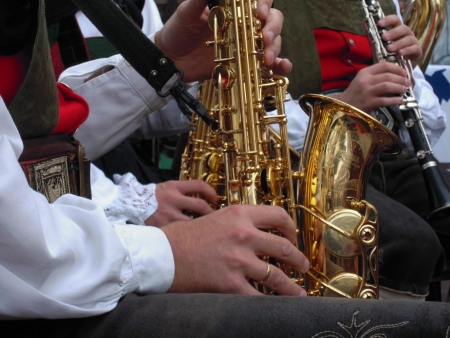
{"points": [[267, 274]]}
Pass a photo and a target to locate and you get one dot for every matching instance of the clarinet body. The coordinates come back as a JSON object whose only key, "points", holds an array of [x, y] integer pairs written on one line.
{"points": [[438, 192]]}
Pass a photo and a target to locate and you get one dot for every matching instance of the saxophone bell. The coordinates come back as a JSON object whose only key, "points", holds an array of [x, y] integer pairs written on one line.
{"points": [[339, 229]]}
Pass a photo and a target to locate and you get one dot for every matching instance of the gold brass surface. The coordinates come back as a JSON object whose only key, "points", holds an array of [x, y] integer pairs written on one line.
{"points": [[426, 19], [244, 160], [339, 229], [243, 156]]}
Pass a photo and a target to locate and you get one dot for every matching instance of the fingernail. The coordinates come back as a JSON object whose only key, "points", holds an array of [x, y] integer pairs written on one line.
{"points": [[269, 35], [270, 57], [303, 293], [306, 265], [265, 9]]}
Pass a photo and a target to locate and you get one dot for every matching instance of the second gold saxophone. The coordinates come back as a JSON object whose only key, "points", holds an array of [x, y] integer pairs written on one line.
{"points": [[246, 162]]}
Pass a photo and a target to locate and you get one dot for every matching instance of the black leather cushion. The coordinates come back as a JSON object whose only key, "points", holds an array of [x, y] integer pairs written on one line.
{"points": [[214, 315]]}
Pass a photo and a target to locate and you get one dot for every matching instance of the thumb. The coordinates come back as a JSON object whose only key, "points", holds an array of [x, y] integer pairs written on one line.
{"points": [[190, 9]]}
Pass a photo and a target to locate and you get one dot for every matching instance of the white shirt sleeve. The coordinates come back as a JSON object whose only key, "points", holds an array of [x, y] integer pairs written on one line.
{"points": [[434, 118], [66, 259], [119, 100], [151, 18], [122, 104]]}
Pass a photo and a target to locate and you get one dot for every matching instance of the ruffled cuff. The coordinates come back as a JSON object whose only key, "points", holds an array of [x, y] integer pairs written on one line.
{"points": [[134, 203]]}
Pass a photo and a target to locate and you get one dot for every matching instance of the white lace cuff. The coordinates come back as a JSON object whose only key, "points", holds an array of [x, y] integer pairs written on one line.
{"points": [[134, 202]]}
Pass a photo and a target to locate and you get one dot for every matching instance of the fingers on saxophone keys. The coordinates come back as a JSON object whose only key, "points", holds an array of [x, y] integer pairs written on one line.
{"points": [[282, 249], [277, 281]]}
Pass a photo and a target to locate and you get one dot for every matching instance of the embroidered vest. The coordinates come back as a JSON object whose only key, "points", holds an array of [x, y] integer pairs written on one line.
{"points": [[301, 17]]}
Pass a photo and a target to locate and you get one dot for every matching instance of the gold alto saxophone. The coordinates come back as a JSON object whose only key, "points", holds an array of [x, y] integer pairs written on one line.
{"points": [[243, 158], [248, 163]]}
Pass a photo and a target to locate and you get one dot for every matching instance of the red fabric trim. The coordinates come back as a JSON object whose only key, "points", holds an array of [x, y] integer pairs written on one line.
{"points": [[13, 71], [73, 110], [335, 50]]}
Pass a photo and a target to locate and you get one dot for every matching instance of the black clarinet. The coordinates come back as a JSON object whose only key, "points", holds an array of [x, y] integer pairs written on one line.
{"points": [[438, 191]]}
